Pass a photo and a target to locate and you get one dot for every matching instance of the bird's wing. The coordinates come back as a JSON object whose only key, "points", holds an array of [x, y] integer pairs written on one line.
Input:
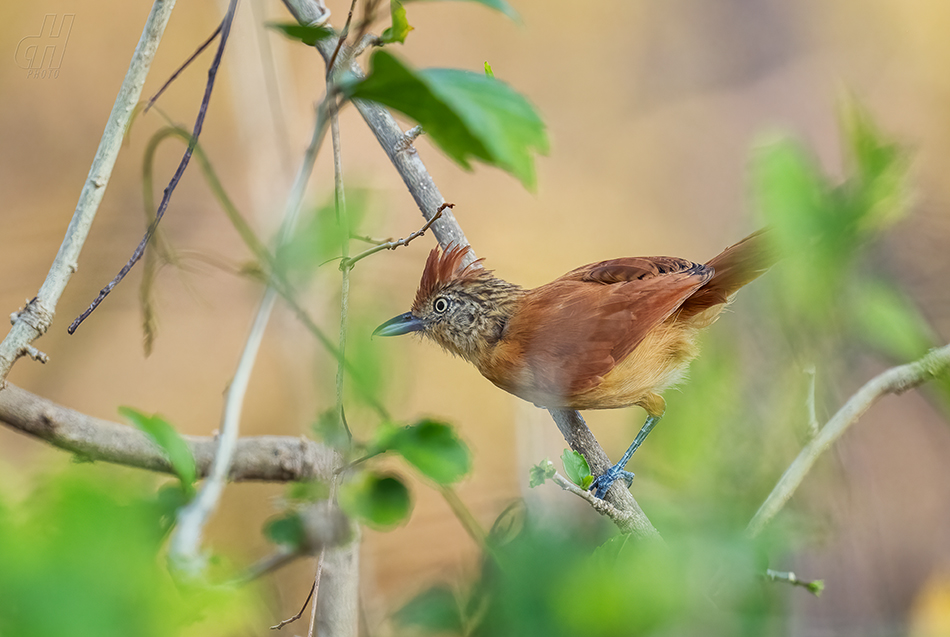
{"points": [[574, 330]]}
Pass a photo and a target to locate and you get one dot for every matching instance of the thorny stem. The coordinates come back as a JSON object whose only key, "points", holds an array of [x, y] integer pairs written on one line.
{"points": [[347, 264]]}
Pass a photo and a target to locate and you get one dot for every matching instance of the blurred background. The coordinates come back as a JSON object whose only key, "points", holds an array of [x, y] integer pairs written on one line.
{"points": [[653, 112]]}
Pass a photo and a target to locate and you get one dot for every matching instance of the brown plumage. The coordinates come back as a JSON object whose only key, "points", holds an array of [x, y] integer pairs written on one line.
{"points": [[606, 335]]}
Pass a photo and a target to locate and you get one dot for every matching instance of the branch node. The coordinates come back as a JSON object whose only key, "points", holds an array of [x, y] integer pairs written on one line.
{"points": [[404, 143], [35, 354]]}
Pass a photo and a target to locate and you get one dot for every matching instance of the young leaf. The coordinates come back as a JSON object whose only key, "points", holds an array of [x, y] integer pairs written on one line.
{"points": [[433, 611], [500, 5], [286, 530], [576, 468], [400, 28], [468, 115], [540, 472], [488, 70], [171, 442], [434, 449], [309, 35], [381, 501]]}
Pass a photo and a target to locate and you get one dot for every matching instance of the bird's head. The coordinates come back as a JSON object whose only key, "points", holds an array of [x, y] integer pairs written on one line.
{"points": [[461, 306]]}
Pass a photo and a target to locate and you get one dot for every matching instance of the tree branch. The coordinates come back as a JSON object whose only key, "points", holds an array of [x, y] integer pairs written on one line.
{"points": [[896, 380], [260, 458], [36, 317]]}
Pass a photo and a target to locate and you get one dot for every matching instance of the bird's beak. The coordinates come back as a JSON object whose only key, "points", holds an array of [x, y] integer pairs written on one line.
{"points": [[402, 324]]}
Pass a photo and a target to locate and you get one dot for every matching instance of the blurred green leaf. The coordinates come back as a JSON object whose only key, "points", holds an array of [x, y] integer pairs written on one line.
{"points": [[80, 556], [466, 114], [309, 35], [576, 468], [878, 167], [497, 5], [286, 530], [509, 524], [433, 611], [171, 442], [329, 429], [400, 28], [540, 472], [890, 322], [306, 492], [380, 501], [488, 70], [433, 448], [318, 240]]}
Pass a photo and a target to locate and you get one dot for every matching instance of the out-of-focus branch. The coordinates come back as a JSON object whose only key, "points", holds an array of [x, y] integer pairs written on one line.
{"points": [[896, 380], [261, 458], [33, 321]]}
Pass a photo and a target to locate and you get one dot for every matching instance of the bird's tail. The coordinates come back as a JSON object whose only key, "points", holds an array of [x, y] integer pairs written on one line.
{"points": [[735, 267]]}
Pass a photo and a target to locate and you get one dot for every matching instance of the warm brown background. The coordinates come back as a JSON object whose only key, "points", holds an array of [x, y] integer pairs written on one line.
{"points": [[652, 109]]}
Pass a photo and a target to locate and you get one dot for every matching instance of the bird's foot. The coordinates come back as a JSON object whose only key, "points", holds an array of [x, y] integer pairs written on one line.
{"points": [[602, 483]]}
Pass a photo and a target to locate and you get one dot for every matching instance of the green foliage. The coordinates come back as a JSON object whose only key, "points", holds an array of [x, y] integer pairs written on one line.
{"points": [[378, 500], [307, 492], [576, 468], [171, 442], [286, 530], [432, 447], [540, 472], [488, 70], [309, 35], [433, 611], [560, 583], [400, 28], [80, 557], [329, 429], [468, 115]]}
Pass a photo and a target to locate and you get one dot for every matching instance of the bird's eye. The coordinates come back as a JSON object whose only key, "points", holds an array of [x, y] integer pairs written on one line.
{"points": [[440, 305]]}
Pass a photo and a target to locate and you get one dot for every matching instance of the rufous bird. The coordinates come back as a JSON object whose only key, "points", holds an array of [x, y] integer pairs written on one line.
{"points": [[606, 335]]}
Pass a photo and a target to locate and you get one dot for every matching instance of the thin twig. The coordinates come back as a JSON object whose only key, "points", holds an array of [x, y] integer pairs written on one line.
{"points": [[339, 44], [36, 318], [181, 68], [299, 614], [601, 506], [347, 264], [186, 539], [894, 381], [815, 587], [343, 221], [316, 591], [810, 402], [469, 523], [183, 164]]}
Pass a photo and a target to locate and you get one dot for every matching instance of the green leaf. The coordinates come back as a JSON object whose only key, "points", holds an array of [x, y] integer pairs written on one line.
{"points": [[380, 501], [540, 472], [286, 530], [400, 28], [434, 611], [171, 442], [314, 491], [509, 524], [433, 448], [468, 115], [329, 429], [888, 320], [488, 70], [309, 35], [576, 468], [499, 5]]}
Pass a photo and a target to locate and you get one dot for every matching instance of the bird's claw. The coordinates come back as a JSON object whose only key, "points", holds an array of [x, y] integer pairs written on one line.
{"points": [[602, 483]]}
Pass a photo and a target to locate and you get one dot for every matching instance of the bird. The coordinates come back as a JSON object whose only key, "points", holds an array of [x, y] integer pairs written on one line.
{"points": [[606, 335]]}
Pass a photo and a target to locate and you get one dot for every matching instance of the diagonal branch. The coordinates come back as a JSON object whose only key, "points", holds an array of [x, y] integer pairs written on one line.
{"points": [[182, 165], [36, 317], [896, 380], [260, 458]]}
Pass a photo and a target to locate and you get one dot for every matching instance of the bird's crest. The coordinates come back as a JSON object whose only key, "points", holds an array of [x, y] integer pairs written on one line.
{"points": [[443, 267]]}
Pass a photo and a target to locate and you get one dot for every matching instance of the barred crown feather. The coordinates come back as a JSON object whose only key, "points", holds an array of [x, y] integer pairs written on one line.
{"points": [[444, 267]]}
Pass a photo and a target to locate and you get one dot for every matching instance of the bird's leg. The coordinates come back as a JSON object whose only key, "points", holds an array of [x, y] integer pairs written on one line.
{"points": [[602, 482]]}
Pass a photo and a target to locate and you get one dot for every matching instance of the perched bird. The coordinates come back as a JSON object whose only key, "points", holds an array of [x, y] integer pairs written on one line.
{"points": [[606, 335]]}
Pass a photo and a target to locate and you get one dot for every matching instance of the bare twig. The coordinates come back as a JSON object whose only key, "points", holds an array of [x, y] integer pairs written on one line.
{"points": [[405, 142], [36, 318], [186, 538], [815, 587], [183, 164], [316, 591], [299, 614], [580, 438], [810, 402], [601, 506], [347, 264], [181, 68], [257, 458], [894, 381]]}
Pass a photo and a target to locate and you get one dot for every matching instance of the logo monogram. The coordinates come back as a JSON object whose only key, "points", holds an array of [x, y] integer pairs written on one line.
{"points": [[42, 55]]}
